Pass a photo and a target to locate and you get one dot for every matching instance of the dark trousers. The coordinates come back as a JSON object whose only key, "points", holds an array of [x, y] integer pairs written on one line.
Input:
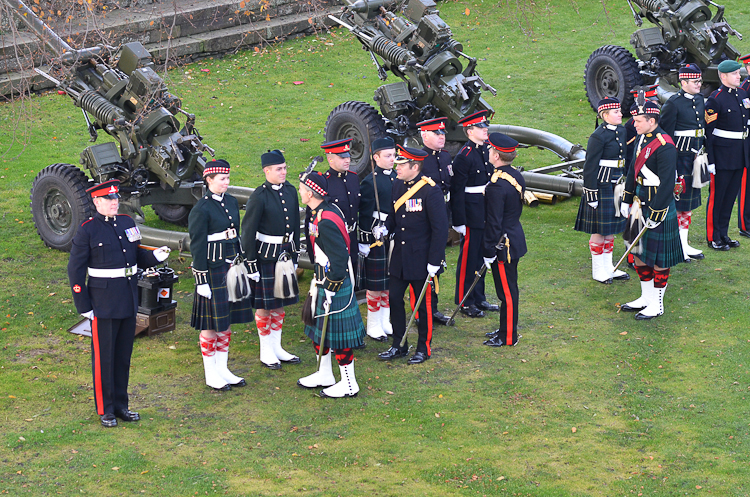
{"points": [[506, 286], [743, 202], [397, 290], [469, 262], [111, 348], [725, 185], [433, 294]]}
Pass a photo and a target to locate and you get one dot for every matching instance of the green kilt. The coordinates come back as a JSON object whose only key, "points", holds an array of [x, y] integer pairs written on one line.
{"points": [[217, 313], [374, 271], [661, 246], [690, 199], [602, 220], [345, 328]]}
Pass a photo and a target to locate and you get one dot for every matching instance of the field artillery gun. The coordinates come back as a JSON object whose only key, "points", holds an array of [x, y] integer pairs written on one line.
{"points": [[683, 31], [157, 160]]}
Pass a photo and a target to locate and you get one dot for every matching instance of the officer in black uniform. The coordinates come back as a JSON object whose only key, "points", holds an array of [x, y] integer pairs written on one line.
{"points": [[727, 113], [471, 172], [683, 118], [745, 59], [438, 167], [504, 240], [343, 186], [374, 208], [107, 249], [419, 225], [744, 201]]}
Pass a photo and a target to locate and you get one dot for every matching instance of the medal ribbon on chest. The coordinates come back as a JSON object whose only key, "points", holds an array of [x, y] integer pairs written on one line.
{"points": [[133, 234]]}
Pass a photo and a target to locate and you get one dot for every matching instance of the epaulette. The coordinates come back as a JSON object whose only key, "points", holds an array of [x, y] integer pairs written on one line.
{"points": [[86, 221], [661, 139], [468, 150], [320, 215], [631, 140], [428, 180]]}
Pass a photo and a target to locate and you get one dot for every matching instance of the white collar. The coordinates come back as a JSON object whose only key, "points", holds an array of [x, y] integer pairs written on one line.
{"points": [[612, 127], [387, 171], [688, 95], [277, 187], [218, 198]]}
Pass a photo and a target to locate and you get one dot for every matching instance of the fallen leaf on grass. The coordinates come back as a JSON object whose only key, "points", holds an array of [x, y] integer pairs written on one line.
{"points": [[144, 472], [205, 70], [500, 478], [299, 82], [22, 439], [624, 333], [437, 415], [172, 347], [304, 139], [574, 429], [115, 468], [389, 392], [11, 396]]}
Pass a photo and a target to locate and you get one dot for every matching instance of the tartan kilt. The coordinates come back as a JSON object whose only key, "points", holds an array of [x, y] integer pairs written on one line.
{"points": [[262, 291], [217, 313], [691, 198], [374, 274], [345, 328], [661, 246], [602, 220]]}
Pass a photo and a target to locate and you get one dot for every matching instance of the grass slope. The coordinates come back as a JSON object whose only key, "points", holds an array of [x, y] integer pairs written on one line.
{"points": [[590, 403]]}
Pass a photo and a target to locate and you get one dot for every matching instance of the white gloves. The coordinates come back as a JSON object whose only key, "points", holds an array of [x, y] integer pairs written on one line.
{"points": [[329, 298], [711, 168], [380, 231], [255, 276], [624, 210], [594, 205], [162, 253], [88, 315], [651, 224], [364, 249], [488, 262], [460, 229], [204, 290], [432, 270]]}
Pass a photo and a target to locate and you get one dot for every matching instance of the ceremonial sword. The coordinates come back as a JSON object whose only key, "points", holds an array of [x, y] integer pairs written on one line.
{"points": [[416, 309]]}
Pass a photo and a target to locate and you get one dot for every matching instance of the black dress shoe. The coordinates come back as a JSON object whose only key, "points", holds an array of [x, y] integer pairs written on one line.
{"points": [[128, 415], [472, 311], [719, 246], [745, 233], [622, 277], [384, 338], [296, 360], [492, 334], [439, 317], [731, 243], [275, 365], [697, 257], [226, 387], [109, 420], [418, 358], [242, 382], [393, 353], [498, 342], [486, 306]]}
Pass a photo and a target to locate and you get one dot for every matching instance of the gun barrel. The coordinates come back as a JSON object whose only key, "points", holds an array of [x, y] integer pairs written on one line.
{"points": [[353, 29]]}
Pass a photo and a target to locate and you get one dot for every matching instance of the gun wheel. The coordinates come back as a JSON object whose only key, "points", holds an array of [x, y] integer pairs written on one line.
{"points": [[611, 71], [173, 213], [360, 122], [60, 204]]}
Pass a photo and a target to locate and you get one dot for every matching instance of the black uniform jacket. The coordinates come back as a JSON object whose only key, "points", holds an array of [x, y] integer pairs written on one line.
{"points": [[470, 168], [607, 142], [631, 135], [419, 228], [503, 205], [343, 191], [438, 167], [727, 110], [662, 162], [684, 112], [275, 212], [330, 240], [746, 85], [210, 216], [368, 206], [105, 243]]}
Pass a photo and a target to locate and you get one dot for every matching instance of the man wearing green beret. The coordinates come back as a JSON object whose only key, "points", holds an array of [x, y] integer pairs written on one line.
{"points": [[727, 113]]}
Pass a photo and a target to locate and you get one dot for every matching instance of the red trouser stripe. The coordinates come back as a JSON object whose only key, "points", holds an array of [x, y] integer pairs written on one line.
{"points": [[413, 302], [464, 257], [508, 304], [741, 207], [99, 399], [428, 296], [710, 210]]}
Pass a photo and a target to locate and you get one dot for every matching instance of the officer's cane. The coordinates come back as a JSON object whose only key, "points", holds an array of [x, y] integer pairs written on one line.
{"points": [[478, 276], [631, 247], [416, 309]]}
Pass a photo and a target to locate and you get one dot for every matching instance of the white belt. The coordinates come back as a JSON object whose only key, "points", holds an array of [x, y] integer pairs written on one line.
{"points": [[380, 215], [693, 133], [229, 234], [272, 239], [732, 135], [612, 163], [649, 177], [475, 189], [120, 272]]}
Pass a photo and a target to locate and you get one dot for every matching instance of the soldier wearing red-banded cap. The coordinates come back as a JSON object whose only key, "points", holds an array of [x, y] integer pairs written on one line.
{"points": [[471, 172], [419, 226], [106, 248]]}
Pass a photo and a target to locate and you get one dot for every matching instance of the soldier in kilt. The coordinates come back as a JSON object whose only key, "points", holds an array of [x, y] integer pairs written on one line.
{"points": [[333, 304], [683, 118], [270, 237], [373, 253], [597, 214], [650, 183], [214, 244]]}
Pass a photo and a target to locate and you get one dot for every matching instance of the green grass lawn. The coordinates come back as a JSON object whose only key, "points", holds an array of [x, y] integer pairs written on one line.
{"points": [[591, 402]]}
